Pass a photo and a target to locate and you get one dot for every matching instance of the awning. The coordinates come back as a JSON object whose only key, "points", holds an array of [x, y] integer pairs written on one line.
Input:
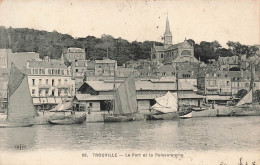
{"points": [[43, 100], [58, 100], [36, 101]]}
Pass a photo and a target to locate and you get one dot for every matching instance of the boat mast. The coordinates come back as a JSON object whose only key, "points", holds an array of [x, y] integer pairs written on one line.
{"points": [[114, 88], [252, 78], [177, 86]]}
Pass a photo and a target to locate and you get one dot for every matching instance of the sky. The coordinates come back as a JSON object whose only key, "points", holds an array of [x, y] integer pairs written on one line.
{"points": [[200, 20]]}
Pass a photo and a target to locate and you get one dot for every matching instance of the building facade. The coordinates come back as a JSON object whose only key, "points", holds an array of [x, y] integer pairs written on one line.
{"points": [[105, 67], [73, 54], [49, 83], [97, 94]]}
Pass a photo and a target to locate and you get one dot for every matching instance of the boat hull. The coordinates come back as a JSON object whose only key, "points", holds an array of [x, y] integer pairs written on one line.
{"points": [[68, 120], [118, 118], [186, 116], [164, 116], [13, 125]]}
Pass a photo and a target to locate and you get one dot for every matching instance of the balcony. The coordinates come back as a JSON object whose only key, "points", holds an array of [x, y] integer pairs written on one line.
{"points": [[44, 86], [63, 86]]}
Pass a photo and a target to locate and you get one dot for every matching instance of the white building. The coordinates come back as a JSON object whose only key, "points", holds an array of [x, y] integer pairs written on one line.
{"points": [[49, 82]]}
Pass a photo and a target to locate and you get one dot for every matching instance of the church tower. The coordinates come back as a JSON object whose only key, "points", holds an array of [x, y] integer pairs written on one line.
{"points": [[167, 35]]}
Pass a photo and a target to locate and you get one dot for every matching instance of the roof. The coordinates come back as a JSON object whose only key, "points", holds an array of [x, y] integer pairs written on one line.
{"points": [[106, 60], [166, 68], [74, 49], [46, 64], [20, 59], [141, 85], [217, 97], [159, 48], [84, 63], [88, 97]]}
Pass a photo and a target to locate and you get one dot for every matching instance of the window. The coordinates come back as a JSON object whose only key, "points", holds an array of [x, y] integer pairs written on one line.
{"points": [[49, 71], [59, 92], [46, 81], [58, 71], [52, 71], [52, 92], [40, 92], [90, 105], [161, 55], [164, 73], [40, 81], [47, 92], [228, 83], [33, 91], [43, 71], [59, 81], [76, 70], [33, 81], [36, 71], [40, 71], [62, 72], [52, 82]]}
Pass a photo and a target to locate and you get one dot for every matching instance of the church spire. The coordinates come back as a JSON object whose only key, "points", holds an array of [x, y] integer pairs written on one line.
{"points": [[167, 34]]}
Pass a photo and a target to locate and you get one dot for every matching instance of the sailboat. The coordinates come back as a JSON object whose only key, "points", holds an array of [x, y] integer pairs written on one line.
{"points": [[65, 120], [165, 108], [124, 103], [20, 109], [246, 106]]}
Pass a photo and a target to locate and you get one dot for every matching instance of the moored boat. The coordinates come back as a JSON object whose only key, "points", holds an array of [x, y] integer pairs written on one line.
{"points": [[69, 120], [20, 108], [124, 103]]}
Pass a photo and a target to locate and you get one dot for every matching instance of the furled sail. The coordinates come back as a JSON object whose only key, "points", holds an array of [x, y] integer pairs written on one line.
{"points": [[125, 97], [63, 106], [167, 103], [20, 104], [248, 98]]}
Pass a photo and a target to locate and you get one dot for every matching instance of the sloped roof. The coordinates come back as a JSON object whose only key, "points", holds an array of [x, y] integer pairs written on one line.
{"points": [[166, 68], [160, 48], [88, 97], [105, 61], [20, 59], [84, 63], [46, 64], [141, 85]]}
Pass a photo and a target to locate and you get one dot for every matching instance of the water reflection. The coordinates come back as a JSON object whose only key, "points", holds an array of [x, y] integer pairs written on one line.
{"points": [[22, 138], [200, 134]]}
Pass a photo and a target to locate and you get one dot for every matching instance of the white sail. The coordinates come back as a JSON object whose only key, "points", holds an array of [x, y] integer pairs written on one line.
{"points": [[167, 103], [20, 105], [248, 98]]}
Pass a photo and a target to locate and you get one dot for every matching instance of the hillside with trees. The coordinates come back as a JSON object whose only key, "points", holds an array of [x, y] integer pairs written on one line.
{"points": [[52, 44]]}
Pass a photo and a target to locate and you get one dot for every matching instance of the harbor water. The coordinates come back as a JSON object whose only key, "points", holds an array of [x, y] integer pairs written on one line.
{"points": [[198, 134]]}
